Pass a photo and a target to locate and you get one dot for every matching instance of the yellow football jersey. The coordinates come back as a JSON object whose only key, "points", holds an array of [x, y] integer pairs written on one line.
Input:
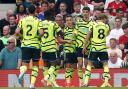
{"points": [[83, 29], [29, 28], [100, 31], [48, 40], [70, 34]]}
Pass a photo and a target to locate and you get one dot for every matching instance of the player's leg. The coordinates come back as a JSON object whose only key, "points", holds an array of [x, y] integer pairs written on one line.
{"points": [[45, 57], [106, 76], [26, 56], [35, 68], [80, 65], [51, 71], [92, 58], [87, 73]]}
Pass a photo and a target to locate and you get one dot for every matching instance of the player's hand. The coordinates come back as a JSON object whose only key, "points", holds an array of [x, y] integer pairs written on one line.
{"points": [[84, 50]]}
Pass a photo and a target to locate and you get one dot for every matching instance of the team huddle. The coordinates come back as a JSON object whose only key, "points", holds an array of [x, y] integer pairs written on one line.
{"points": [[84, 39]]}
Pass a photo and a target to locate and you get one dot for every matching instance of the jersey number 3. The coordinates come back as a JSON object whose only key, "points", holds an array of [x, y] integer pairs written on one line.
{"points": [[101, 34], [29, 28]]}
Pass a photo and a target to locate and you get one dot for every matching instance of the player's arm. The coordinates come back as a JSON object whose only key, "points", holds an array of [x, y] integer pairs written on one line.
{"points": [[17, 33], [88, 36], [40, 29], [60, 39]]}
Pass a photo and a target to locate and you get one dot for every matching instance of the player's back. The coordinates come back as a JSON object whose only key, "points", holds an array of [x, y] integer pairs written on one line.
{"points": [[49, 43], [99, 33], [29, 28]]}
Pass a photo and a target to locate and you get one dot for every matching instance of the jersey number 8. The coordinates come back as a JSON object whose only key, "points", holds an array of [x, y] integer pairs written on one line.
{"points": [[101, 34]]}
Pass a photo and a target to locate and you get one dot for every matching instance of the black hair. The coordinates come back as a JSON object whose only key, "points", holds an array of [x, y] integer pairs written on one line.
{"points": [[86, 8], [48, 15], [31, 9]]}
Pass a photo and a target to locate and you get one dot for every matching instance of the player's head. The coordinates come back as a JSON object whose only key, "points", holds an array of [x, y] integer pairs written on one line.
{"points": [[102, 17], [69, 20], [86, 12], [48, 15], [31, 9]]}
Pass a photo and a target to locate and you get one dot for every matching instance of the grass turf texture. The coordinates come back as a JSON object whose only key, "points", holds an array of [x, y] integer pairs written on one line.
{"points": [[67, 88]]}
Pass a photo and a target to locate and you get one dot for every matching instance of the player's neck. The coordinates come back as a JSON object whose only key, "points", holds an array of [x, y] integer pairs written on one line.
{"points": [[86, 19], [70, 26], [31, 14]]}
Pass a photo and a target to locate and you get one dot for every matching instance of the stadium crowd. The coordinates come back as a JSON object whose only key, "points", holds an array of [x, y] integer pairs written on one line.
{"points": [[11, 55]]}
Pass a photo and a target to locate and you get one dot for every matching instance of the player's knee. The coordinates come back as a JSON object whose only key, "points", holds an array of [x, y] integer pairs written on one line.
{"points": [[23, 69]]}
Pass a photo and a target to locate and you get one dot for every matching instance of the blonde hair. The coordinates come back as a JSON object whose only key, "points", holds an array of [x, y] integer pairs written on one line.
{"points": [[12, 37]]}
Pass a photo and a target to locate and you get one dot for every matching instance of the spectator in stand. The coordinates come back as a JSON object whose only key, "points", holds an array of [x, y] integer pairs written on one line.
{"points": [[114, 61], [77, 7], [1, 45], [10, 56], [5, 21], [59, 20], [20, 12], [69, 5], [52, 6], [116, 4], [12, 24], [125, 62], [110, 17], [63, 10], [120, 14], [117, 31], [98, 3], [27, 3], [114, 48], [97, 12], [44, 7], [19, 2], [123, 40], [6, 35], [87, 3]]}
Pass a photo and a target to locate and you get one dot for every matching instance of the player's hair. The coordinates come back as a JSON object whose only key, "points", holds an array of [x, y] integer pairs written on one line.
{"points": [[102, 16], [125, 25], [48, 15], [86, 8], [31, 9]]}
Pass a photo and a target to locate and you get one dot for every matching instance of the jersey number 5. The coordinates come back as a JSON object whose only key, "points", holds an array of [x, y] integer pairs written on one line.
{"points": [[29, 28], [101, 34]]}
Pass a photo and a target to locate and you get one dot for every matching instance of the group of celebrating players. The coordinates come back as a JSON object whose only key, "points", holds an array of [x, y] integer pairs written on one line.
{"points": [[84, 39]]}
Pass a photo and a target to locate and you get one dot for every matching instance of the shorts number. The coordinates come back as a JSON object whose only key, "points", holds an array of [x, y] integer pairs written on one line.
{"points": [[101, 34], [29, 27]]}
